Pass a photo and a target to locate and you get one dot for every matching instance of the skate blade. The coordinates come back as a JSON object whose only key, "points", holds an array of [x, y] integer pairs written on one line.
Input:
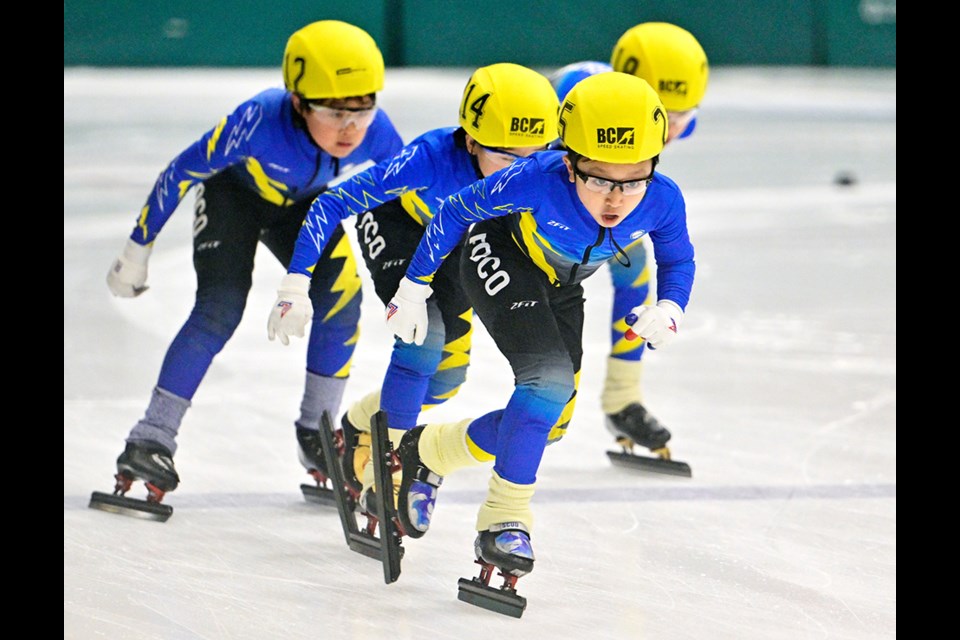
{"points": [[130, 506], [648, 463], [506, 602], [390, 544], [318, 495], [357, 540], [367, 545]]}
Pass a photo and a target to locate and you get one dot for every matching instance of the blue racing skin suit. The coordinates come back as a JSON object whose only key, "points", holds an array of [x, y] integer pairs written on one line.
{"points": [[528, 243], [255, 174], [395, 200]]}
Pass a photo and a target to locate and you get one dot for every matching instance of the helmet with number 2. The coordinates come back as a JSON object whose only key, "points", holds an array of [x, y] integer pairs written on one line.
{"points": [[508, 105], [332, 59], [613, 117], [669, 58]]}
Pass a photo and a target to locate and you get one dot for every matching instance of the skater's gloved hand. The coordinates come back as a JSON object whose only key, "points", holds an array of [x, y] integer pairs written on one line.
{"points": [[292, 310], [657, 324], [407, 311], [128, 274]]}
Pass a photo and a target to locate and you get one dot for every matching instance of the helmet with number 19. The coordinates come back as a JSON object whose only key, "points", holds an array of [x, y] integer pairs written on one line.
{"points": [[672, 61]]}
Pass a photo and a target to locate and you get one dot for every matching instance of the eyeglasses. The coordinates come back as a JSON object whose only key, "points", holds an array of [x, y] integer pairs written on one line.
{"points": [[606, 185], [502, 156], [343, 117]]}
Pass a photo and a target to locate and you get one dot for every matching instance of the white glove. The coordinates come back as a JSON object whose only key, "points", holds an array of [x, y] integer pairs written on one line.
{"points": [[407, 311], [128, 273], [655, 324], [292, 310]]}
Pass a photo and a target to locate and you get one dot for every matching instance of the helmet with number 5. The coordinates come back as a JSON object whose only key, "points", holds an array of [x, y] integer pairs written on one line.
{"points": [[332, 59], [508, 105], [613, 117], [669, 58]]}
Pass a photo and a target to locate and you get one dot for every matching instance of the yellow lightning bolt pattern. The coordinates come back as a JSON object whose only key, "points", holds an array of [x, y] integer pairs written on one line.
{"points": [[416, 208], [270, 190], [622, 345], [215, 137], [142, 221], [534, 243], [458, 354], [348, 282], [560, 428]]}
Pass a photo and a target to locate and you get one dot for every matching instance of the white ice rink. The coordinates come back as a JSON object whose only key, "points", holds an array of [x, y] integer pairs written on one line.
{"points": [[780, 392]]}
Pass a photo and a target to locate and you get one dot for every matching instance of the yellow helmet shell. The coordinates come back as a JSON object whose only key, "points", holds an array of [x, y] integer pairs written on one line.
{"points": [[613, 117], [508, 105], [332, 59], [669, 58]]}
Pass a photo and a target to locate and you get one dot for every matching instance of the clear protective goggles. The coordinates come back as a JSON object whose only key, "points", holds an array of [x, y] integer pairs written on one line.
{"points": [[606, 185], [343, 117], [502, 156]]}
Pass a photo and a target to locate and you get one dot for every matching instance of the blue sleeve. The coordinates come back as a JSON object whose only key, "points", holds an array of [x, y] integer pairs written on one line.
{"points": [[482, 200], [674, 254], [226, 144], [410, 169]]}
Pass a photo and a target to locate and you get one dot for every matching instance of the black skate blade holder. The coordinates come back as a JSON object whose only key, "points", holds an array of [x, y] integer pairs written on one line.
{"points": [[318, 495], [661, 463], [357, 540], [478, 592], [144, 509], [391, 549]]}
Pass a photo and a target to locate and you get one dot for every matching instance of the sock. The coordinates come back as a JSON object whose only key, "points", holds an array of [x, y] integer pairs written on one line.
{"points": [[621, 387], [368, 477], [506, 502], [161, 422], [320, 393], [361, 412], [443, 447]]}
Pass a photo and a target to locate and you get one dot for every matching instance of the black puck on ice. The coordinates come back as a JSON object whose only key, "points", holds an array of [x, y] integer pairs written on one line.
{"points": [[844, 178]]}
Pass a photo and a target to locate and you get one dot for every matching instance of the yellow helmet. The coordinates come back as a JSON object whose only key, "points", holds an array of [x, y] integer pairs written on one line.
{"points": [[669, 58], [613, 117], [332, 59], [508, 105]]}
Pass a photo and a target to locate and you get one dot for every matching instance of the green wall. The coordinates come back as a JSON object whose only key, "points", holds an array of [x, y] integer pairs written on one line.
{"points": [[537, 33]]}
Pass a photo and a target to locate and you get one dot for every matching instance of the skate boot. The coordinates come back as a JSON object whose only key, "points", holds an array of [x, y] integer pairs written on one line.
{"points": [[356, 455], [150, 462], [634, 424], [507, 547], [418, 487], [310, 453]]}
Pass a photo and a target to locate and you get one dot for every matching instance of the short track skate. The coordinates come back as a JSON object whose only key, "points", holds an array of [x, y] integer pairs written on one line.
{"points": [[662, 463], [478, 592], [361, 541], [385, 461], [320, 491], [117, 502]]}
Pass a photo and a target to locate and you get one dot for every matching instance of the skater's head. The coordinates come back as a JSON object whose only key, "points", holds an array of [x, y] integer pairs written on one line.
{"points": [[613, 126], [672, 61], [333, 71], [508, 112]]}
